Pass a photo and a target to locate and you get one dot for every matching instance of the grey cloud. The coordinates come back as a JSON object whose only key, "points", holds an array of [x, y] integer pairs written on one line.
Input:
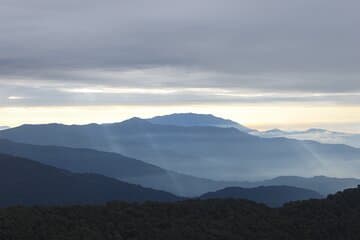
{"points": [[11, 96], [307, 46]]}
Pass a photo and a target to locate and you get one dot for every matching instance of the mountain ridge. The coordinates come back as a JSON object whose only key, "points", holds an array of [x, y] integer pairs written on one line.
{"points": [[27, 182], [195, 119], [138, 172], [112, 165], [224, 152], [314, 134], [321, 184], [273, 196]]}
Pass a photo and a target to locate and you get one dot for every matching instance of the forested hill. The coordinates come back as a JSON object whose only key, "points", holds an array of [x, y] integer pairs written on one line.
{"points": [[334, 218]]}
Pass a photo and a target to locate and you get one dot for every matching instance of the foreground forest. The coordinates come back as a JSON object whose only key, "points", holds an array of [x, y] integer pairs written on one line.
{"points": [[337, 217]]}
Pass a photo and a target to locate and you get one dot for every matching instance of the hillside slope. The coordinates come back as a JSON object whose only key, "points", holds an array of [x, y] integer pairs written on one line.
{"points": [[113, 165], [25, 182]]}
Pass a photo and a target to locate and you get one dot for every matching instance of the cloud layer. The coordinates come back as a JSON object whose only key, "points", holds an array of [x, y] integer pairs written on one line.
{"points": [[179, 51]]}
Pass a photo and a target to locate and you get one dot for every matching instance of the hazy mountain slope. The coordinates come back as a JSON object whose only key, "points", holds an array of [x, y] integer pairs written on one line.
{"points": [[138, 172], [273, 196], [319, 135], [3, 127], [82, 160], [208, 152], [28, 182], [193, 119], [113, 165], [321, 184]]}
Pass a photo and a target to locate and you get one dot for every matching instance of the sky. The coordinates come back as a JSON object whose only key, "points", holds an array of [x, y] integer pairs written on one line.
{"points": [[278, 63]]}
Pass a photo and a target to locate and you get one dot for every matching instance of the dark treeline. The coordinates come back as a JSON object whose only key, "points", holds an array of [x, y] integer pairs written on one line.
{"points": [[337, 217]]}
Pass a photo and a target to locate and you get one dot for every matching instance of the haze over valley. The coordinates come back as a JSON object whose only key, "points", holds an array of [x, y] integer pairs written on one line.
{"points": [[186, 154]]}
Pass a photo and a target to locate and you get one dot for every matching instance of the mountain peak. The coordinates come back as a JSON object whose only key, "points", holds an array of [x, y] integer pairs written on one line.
{"points": [[316, 130], [196, 119], [135, 121], [274, 130]]}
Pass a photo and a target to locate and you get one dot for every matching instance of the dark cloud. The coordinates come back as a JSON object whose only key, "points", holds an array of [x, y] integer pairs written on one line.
{"points": [[271, 46]]}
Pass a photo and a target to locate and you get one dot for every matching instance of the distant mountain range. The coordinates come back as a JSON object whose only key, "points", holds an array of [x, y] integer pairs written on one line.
{"points": [[173, 158], [321, 184], [138, 172], [273, 196], [3, 127], [26, 182], [113, 165], [315, 134], [201, 151], [193, 119]]}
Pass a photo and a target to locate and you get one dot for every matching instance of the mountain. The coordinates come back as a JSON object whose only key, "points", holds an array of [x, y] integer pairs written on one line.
{"points": [[273, 196], [273, 132], [3, 127], [28, 182], [113, 165], [205, 152], [315, 134], [138, 172], [336, 217], [82, 160], [321, 184], [194, 119]]}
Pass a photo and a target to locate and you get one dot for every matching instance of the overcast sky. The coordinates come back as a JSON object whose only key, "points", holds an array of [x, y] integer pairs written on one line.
{"points": [[179, 55]]}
